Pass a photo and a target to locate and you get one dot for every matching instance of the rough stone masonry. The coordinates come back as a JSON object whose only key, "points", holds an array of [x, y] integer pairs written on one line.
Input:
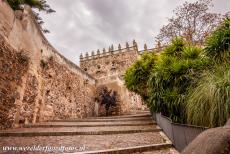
{"points": [[108, 68], [38, 84]]}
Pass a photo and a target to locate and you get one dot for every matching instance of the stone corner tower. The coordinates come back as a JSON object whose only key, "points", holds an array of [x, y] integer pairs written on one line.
{"points": [[108, 68]]}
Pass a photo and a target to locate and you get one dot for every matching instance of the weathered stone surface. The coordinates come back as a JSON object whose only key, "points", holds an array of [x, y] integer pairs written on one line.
{"points": [[65, 93], [13, 66], [39, 84], [109, 68], [119, 139], [36, 82]]}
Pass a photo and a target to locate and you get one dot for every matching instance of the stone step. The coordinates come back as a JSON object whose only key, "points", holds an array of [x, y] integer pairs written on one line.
{"points": [[155, 148], [135, 142], [90, 124], [72, 133], [123, 116], [76, 125], [104, 119], [160, 151], [79, 129]]}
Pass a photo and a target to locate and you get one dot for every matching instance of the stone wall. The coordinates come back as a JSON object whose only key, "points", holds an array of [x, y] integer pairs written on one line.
{"points": [[109, 67], [36, 82], [13, 68], [69, 89]]}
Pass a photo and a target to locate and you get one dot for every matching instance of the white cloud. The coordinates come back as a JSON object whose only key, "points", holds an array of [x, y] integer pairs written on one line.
{"points": [[86, 25]]}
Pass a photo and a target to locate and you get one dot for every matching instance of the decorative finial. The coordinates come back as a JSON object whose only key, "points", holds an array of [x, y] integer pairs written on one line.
{"points": [[86, 55], [103, 50], [98, 51], [127, 45], [81, 56], [109, 49], [134, 43], [145, 47], [119, 47], [92, 53], [112, 49]]}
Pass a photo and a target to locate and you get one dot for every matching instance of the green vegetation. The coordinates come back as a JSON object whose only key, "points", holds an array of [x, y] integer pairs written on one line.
{"points": [[209, 102], [218, 44], [187, 83], [136, 77], [40, 5], [178, 67]]}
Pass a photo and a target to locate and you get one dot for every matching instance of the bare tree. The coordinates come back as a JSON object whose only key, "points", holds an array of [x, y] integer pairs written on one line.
{"points": [[192, 21]]}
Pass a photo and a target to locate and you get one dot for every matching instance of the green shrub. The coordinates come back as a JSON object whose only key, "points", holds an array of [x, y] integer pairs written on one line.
{"points": [[217, 45], [41, 5], [209, 103], [137, 75], [186, 83], [176, 70]]}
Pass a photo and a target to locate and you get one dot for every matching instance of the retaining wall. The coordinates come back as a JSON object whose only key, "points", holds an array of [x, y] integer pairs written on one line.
{"points": [[37, 83]]}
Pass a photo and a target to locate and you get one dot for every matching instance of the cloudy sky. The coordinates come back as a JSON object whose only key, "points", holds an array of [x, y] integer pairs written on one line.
{"points": [[81, 26]]}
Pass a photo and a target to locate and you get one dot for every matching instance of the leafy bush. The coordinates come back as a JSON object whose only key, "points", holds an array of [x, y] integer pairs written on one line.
{"points": [[186, 83], [136, 77], [209, 102], [218, 44], [176, 70], [38, 4]]}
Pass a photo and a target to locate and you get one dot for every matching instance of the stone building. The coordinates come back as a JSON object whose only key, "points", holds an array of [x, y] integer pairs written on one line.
{"points": [[108, 68]]}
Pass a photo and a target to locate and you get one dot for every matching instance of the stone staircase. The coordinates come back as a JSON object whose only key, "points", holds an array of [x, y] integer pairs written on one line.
{"points": [[135, 133]]}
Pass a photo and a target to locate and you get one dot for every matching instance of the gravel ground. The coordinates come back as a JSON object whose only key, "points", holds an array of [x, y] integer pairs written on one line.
{"points": [[90, 142]]}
